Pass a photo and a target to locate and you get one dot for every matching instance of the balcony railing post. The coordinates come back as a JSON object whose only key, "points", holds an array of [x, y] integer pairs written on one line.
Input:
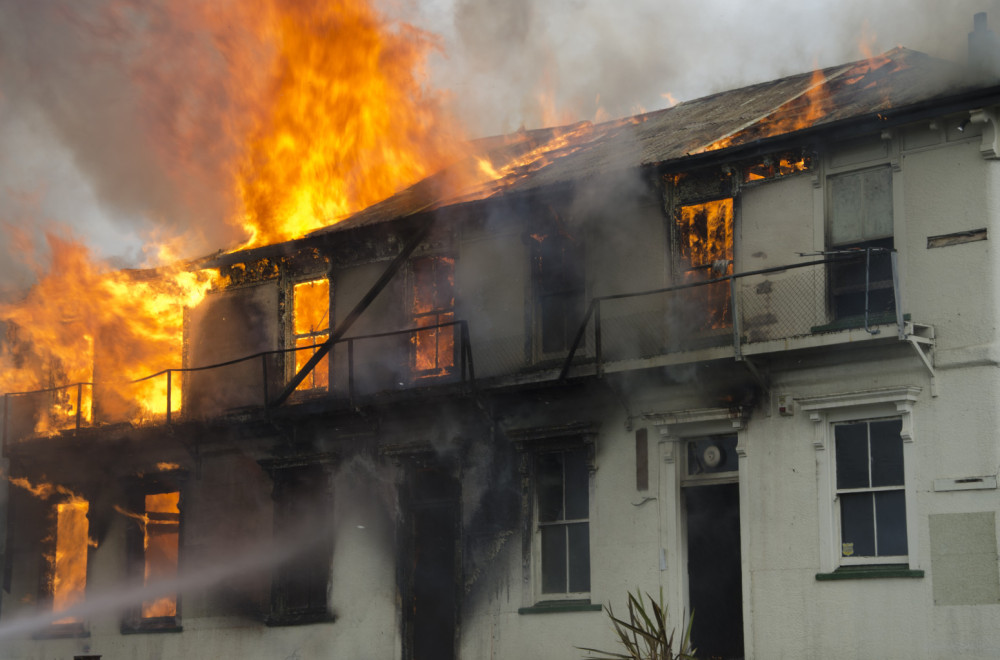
{"points": [[350, 370], [734, 310], [6, 418], [169, 393], [897, 297], [598, 352], [263, 372], [79, 403]]}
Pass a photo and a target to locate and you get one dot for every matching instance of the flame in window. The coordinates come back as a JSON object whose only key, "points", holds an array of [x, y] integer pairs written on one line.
{"points": [[705, 244], [433, 305], [161, 540], [311, 327], [69, 562]]}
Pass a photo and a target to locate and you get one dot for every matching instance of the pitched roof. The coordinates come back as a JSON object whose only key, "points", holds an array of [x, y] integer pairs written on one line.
{"points": [[872, 88]]}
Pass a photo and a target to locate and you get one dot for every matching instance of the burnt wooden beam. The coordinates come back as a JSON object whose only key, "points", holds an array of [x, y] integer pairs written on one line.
{"points": [[418, 236]]}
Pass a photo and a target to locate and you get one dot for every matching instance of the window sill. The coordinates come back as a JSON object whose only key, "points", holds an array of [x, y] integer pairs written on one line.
{"points": [[553, 606], [62, 631], [858, 321], [299, 619], [870, 572]]}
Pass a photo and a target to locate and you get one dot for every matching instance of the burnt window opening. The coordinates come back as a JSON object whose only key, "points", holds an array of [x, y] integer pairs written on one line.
{"points": [[777, 165], [153, 546], [433, 296], [558, 280], [300, 584], [310, 328], [704, 251], [562, 510], [860, 220], [68, 563]]}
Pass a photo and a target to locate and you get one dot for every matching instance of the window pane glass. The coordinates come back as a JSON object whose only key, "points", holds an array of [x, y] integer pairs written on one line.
{"points": [[890, 517], [887, 453], [857, 525], [846, 208], [554, 559], [554, 310], [550, 487], [579, 557], [878, 203], [577, 485], [852, 455]]}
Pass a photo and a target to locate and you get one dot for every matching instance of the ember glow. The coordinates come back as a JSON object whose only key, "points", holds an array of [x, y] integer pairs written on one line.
{"points": [[434, 304]]}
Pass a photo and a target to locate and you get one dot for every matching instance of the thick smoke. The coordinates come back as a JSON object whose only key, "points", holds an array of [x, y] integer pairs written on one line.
{"points": [[116, 119]]}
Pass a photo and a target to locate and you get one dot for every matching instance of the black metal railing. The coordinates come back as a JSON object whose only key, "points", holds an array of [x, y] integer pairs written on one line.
{"points": [[858, 288], [251, 381]]}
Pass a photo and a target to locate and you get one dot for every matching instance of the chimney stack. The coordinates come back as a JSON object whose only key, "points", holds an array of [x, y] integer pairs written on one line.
{"points": [[984, 49]]}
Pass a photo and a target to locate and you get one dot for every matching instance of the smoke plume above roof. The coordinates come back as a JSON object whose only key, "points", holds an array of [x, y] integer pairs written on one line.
{"points": [[109, 110]]}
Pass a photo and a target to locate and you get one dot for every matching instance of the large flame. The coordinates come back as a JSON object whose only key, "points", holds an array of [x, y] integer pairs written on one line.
{"points": [[348, 124], [86, 323]]}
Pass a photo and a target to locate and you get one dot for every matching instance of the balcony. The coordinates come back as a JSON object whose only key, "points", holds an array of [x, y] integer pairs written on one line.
{"points": [[850, 298]]}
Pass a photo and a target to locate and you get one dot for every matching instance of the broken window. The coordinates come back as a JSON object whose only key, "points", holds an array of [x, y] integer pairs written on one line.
{"points": [[433, 304], [776, 165], [558, 279], [704, 250], [562, 506], [153, 542], [70, 545], [301, 503], [871, 490], [860, 220], [310, 328]]}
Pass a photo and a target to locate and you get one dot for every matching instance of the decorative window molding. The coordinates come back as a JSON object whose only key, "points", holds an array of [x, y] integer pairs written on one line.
{"points": [[861, 406]]}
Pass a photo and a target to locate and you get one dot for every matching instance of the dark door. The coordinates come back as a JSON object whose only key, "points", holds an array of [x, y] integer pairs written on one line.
{"points": [[430, 586], [714, 574]]}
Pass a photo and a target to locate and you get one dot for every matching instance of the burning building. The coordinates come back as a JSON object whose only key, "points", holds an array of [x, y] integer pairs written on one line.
{"points": [[717, 350]]}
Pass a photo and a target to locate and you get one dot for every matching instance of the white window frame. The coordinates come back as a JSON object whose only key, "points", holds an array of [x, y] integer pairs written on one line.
{"points": [[868, 405], [537, 525]]}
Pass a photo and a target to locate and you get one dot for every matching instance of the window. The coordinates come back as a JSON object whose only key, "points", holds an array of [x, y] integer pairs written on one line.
{"points": [[865, 470], [557, 276], [310, 328], [563, 521], [300, 584], [870, 490], [860, 219], [433, 304], [704, 251], [153, 545], [68, 562]]}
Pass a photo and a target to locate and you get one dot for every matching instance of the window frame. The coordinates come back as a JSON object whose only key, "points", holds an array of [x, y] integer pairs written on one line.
{"points": [[133, 621], [439, 314], [539, 526], [826, 412], [317, 477], [566, 285], [309, 383], [49, 547], [531, 443]]}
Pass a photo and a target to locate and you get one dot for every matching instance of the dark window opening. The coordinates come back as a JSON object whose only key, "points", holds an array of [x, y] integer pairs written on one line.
{"points": [[860, 219], [300, 584], [558, 278]]}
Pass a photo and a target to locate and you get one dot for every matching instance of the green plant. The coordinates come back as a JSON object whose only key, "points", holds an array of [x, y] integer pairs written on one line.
{"points": [[644, 634]]}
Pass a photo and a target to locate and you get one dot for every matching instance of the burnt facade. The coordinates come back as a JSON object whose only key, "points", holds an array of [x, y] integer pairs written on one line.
{"points": [[752, 376]]}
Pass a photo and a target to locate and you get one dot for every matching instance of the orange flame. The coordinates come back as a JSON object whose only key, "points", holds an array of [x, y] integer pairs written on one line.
{"points": [[84, 323], [349, 123], [69, 563]]}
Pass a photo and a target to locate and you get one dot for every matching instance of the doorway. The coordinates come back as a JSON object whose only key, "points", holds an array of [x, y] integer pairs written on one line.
{"points": [[430, 566], [711, 495]]}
